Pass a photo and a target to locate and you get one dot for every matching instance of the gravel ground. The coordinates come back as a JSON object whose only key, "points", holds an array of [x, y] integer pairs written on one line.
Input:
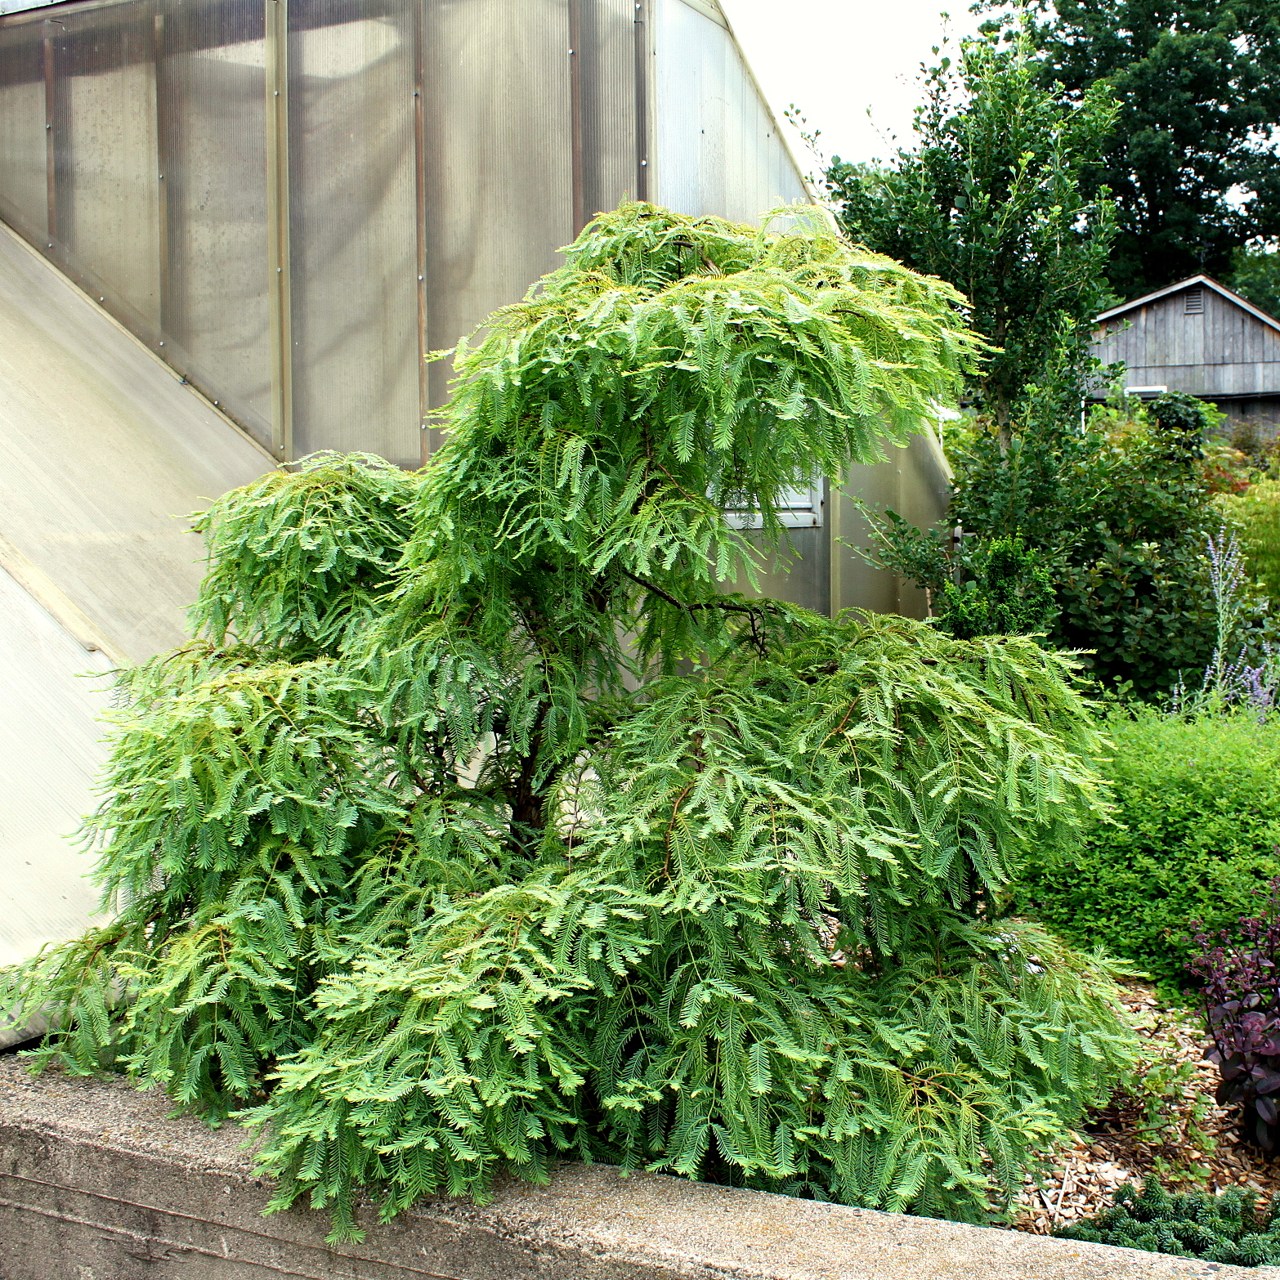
{"points": [[1119, 1145]]}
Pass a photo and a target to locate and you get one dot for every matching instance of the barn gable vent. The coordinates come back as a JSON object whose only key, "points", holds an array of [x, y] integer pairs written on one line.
{"points": [[1194, 303]]}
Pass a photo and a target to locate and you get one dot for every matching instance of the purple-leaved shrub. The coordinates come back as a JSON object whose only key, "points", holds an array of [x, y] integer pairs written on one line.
{"points": [[1240, 972]]}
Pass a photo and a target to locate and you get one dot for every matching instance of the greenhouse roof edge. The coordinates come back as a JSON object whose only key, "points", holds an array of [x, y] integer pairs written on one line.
{"points": [[19, 6]]}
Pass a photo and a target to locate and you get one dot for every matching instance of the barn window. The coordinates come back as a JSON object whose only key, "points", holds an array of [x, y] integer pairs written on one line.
{"points": [[1195, 302]]}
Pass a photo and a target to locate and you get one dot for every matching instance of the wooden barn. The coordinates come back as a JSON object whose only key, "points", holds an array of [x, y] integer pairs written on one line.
{"points": [[1200, 337]]}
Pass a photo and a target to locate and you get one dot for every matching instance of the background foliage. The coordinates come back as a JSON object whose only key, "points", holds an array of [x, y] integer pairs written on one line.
{"points": [[1255, 515], [1001, 196], [1188, 160], [1117, 515], [1255, 274], [434, 876], [1195, 830], [975, 587], [1126, 528], [990, 199]]}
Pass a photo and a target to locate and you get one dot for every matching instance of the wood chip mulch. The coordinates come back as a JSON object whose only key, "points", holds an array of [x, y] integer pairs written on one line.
{"points": [[1119, 1144]]}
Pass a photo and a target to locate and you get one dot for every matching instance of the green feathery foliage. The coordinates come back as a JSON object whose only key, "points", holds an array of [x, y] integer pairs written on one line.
{"points": [[298, 561], [1231, 1228], [240, 799], [485, 827]]}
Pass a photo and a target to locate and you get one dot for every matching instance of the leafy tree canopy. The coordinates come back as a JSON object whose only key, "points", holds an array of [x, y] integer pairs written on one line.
{"points": [[990, 198], [1255, 275], [1191, 160], [482, 827]]}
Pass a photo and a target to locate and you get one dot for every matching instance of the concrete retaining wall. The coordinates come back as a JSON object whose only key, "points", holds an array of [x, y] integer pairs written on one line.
{"points": [[98, 1182]]}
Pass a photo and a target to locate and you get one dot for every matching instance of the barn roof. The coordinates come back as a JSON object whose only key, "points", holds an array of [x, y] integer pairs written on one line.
{"points": [[1201, 281]]}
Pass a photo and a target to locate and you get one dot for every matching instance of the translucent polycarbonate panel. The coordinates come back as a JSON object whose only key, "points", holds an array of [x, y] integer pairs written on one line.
{"points": [[718, 149], [24, 152], [801, 575], [52, 755], [212, 138], [913, 481], [108, 197], [353, 225], [923, 498], [498, 157], [102, 452], [610, 144]]}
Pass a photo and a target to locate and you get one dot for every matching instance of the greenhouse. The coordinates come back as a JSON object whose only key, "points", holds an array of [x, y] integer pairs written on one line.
{"points": [[235, 228], [292, 203], [393, 170]]}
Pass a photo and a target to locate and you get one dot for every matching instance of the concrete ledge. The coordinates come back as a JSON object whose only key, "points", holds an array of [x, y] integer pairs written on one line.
{"points": [[98, 1182]]}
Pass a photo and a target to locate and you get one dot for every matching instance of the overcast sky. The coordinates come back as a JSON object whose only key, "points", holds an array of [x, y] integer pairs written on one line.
{"points": [[836, 58]]}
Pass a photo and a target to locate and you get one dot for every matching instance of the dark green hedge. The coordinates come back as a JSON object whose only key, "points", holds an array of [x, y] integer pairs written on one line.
{"points": [[1195, 832]]}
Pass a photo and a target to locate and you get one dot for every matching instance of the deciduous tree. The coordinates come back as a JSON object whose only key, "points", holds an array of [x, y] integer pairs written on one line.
{"points": [[1191, 160], [989, 197]]}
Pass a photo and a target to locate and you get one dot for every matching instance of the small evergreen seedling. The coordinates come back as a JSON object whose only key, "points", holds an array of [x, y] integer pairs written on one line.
{"points": [[484, 827], [1229, 1228]]}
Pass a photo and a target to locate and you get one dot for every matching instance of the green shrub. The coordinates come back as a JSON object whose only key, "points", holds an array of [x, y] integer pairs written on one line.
{"points": [[440, 878], [1229, 1228], [1195, 830], [1256, 516], [977, 588], [1122, 514], [1114, 520], [1010, 593]]}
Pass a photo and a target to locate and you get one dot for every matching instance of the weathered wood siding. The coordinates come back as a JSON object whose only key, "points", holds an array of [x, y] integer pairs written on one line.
{"points": [[1221, 351]]}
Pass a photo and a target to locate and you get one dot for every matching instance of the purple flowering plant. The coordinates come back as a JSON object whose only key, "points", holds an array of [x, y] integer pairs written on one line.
{"points": [[1229, 684], [1239, 970]]}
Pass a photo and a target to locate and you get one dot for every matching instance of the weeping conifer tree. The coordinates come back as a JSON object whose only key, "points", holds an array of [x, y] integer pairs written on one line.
{"points": [[482, 826]]}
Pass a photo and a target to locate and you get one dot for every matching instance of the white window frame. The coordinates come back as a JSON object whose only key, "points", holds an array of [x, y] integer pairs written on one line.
{"points": [[800, 506]]}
